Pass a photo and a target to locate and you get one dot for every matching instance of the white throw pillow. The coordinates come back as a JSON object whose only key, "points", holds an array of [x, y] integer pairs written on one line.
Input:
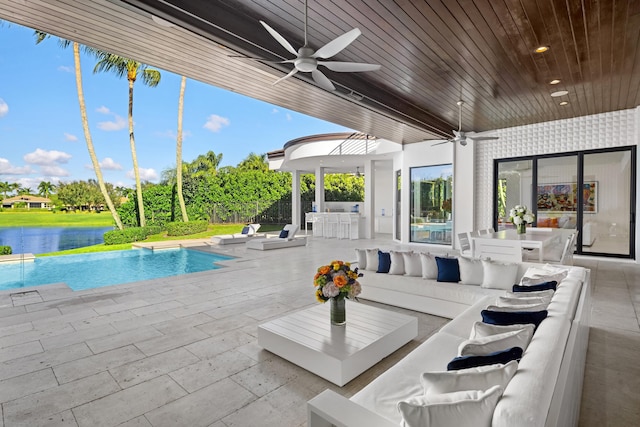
{"points": [[361, 257], [372, 259], [397, 262], [499, 275], [478, 378], [429, 266], [521, 307], [471, 271], [548, 293], [477, 410], [510, 302], [491, 344], [412, 264], [481, 329]]}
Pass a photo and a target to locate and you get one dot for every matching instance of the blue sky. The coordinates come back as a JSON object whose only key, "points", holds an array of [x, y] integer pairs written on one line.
{"points": [[41, 136]]}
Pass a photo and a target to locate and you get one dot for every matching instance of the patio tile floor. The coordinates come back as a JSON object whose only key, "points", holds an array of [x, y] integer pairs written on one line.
{"points": [[183, 351]]}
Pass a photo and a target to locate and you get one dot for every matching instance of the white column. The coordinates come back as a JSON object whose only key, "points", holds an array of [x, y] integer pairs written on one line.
{"points": [[369, 199], [319, 189], [296, 204]]}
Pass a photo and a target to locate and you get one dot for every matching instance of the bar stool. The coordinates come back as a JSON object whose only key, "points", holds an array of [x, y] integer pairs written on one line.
{"points": [[318, 225], [308, 219], [344, 226], [330, 225]]}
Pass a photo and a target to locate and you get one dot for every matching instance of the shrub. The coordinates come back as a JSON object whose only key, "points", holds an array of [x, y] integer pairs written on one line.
{"points": [[186, 228], [154, 229], [130, 235], [5, 250]]}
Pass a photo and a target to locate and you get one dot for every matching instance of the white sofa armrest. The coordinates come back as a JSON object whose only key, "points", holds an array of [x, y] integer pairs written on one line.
{"points": [[330, 409]]}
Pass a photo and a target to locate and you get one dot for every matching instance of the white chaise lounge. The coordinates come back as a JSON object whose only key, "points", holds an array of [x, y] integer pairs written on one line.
{"points": [[286, 239], [248, 232]]}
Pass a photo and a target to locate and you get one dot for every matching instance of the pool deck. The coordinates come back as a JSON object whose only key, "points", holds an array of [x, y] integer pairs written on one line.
{"points": [[182, 351], [17, 258]]}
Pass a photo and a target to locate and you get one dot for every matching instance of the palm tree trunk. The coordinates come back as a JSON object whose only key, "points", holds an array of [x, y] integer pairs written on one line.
{"points": [[87, 136], [183, 208], [134, 157]]}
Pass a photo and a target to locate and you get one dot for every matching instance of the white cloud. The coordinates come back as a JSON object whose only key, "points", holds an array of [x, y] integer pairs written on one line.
{"points": [[288, 116], [65, 68], [109, 164], [145, 174], [275, 111], [6, 168], [47, 158], [4, 108], [70, 137], [103, 110], [54, 170], [172, 134], [117, 124], [215, 123]]}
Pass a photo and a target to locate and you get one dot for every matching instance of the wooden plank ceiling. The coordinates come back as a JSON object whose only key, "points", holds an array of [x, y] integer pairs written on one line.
{"points": [[432, 52]]}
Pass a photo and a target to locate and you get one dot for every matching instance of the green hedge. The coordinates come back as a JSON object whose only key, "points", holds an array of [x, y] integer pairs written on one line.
{"points": [[5, 250], [186, 228], [129, 235]]}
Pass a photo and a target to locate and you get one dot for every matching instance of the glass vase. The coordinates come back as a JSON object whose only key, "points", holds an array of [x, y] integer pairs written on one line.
{"points": [[338, 312], [521, 228]]}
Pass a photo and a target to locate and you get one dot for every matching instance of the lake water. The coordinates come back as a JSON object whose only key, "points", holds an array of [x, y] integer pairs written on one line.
{"points": [[39, 240]]}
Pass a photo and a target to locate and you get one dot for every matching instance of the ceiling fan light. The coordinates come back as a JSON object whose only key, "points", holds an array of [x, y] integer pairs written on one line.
{"points": [[542, 49]]}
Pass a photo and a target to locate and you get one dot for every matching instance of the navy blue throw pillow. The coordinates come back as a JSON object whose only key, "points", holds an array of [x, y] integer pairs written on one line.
{"points": [[448, 270], [284, 234], [504, 356], [384, 262], [245, 229], [513, 318], [534, 288]]}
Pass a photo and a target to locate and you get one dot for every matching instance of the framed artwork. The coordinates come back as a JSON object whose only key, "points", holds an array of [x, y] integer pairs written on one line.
{"points": [[564, 197]]}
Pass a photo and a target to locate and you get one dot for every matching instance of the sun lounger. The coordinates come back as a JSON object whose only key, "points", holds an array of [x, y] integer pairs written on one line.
{"points": [[286, 239], [248, 232]]}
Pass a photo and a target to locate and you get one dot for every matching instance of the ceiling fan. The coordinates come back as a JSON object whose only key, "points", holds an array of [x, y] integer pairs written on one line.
{"points": [[460, 136], [307, 60]]}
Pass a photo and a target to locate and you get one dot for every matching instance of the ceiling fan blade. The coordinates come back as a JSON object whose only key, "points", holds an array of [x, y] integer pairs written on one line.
{"points": [[483, 138], [336, 45], [443, 142], [458, 134], [279, 38], [349, 66], [322, 80], [291, 73]]}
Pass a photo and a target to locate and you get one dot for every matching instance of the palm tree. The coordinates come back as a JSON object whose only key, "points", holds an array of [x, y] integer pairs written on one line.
{"points": [[204, 165], [40, 36], [183, 208], [5, 188], [24, 191], [254, 162], [109, 62], [45, 188]]}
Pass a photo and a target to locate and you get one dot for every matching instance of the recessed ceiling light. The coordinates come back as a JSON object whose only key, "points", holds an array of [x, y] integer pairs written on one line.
{"points": [[559, 93], [554, 82], [563, 103], [542, 49]]}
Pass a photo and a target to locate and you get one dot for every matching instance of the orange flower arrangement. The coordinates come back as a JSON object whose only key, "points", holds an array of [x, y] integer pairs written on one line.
{"points": [[337, 280]]}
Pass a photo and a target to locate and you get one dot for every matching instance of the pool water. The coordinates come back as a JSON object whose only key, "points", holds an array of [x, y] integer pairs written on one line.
{"points": [[86, 271]]}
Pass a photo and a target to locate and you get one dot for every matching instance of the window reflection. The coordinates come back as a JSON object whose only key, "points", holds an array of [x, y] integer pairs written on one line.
{"points": [[431, 204]]}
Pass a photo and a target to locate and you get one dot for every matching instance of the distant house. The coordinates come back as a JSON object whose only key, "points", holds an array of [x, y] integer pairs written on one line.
{"points": [[32, 202]]}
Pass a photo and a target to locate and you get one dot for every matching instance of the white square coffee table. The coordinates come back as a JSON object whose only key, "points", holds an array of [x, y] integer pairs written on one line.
{"points": [[337, 353]]}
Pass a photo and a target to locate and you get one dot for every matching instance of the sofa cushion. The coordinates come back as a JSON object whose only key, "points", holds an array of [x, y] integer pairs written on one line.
{"points": [[412, 264], [477, 378], [513, 308], [284, 234], [542, 294], [361, 258], [492, 343], [429, 266], [372, 259], [522, 317], [499, 275], [384, 262], [464, 409], [448, 270], [545, 273], [471, 271], [525, 299], [503, 356], [481, 329], [397, 262], [535, 288]]}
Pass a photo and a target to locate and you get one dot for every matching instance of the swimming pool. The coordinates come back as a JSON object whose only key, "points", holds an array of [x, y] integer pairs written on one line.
{"points": [[86, 271]]}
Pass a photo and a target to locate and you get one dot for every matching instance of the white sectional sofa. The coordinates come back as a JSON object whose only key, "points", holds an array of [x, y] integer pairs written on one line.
{"points": [[545, 390]]}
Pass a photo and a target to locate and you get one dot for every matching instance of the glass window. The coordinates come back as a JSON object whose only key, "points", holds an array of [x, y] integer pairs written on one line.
{"points": [[557, 192], [513, 188], [431, 194]]}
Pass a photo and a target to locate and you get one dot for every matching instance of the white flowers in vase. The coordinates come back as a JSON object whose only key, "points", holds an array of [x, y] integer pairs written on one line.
{"points": [[520, 216]]}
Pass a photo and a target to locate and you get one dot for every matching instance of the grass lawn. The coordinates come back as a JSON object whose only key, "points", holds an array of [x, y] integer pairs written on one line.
{"points": [[213, 230], [38, 218]]}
